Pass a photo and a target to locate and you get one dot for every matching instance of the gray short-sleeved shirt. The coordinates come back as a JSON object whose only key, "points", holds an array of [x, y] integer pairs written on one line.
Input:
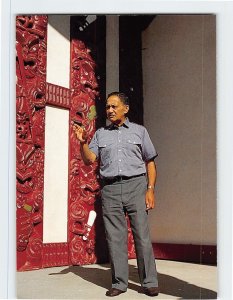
{"points": [[122, 150]]}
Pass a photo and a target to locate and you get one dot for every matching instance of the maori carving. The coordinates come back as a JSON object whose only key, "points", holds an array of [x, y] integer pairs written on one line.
{"points": [[32, 94], [55, 254], [84, 186], [131, 247], [57, 95], [30, 103]]}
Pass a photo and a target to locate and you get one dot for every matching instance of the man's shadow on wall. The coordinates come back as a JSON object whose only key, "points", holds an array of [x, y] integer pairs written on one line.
{"points": [[168, 285]]}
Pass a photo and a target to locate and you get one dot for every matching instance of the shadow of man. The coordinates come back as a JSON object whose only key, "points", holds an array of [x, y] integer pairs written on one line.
{"points": [[99, 276], [169, 285]]}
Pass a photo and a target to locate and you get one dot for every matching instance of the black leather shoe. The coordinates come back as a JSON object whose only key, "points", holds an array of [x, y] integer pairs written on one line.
{"points": [[114, 292], [152, 291]]}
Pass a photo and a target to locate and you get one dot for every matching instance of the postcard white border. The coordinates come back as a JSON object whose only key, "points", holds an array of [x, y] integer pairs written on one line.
{"points": [[224, 13]]}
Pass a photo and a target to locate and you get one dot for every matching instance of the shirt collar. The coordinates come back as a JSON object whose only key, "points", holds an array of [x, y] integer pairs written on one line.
{"points": [[125, 124]]}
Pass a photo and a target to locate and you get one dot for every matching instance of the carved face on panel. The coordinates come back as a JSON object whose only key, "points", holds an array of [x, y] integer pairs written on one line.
{"points": [[23, 130], [22, 126]]}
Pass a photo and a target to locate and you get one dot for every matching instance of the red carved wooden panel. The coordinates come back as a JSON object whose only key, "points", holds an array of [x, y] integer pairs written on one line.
{"points": [[84, 186], [55, 254], [32, 94], [57, 95], [31, 34], [131, 246]]}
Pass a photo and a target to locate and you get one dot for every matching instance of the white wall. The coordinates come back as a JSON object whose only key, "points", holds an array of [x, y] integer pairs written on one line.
{"points": [[58, 50], [179, 112], [56, 175], [56, 134]]}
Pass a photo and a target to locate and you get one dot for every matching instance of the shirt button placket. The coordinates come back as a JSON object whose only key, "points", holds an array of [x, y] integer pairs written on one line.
{"points": [[119, 153]]}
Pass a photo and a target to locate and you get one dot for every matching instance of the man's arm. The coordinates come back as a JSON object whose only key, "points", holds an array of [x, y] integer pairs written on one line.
{"points": [[151, 175], [87, 155]]}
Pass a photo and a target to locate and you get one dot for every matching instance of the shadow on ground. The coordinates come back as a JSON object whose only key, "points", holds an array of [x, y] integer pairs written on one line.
{"points": [[169, 285]]}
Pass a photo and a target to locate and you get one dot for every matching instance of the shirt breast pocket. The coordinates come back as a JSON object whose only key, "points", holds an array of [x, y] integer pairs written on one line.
{"points": [[105, 148], [133, 145], [133, 140]]}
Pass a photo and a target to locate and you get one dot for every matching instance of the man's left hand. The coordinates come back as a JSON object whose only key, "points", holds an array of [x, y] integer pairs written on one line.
{"points": [[150, 199]]}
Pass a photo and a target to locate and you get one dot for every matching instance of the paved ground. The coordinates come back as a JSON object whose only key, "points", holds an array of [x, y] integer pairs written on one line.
{"points": [[177, 281]]}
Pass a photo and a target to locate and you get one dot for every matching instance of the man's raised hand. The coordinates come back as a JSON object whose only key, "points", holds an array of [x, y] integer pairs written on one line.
{"points": [[80, 132]]}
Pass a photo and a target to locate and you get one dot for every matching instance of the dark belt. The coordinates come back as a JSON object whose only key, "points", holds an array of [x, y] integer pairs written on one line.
{"points": [[110, 180]]}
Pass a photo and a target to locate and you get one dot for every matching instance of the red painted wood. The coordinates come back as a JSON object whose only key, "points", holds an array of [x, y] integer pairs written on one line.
{"points": [[32, 94], [57, 96], [30, 112], [131, 246], [55, 254], [83, 187], [206, 254]]}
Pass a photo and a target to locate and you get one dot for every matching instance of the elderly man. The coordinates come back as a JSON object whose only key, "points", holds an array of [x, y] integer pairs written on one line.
{"points": [[128, 176]]}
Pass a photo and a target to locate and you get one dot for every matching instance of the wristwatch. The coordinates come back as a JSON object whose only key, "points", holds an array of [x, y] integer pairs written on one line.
{"points": [[150, 187]]}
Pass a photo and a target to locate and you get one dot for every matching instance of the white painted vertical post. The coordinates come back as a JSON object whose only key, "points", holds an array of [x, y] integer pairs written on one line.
{"points": [[112, 53], [58, 50], [56, 175]]}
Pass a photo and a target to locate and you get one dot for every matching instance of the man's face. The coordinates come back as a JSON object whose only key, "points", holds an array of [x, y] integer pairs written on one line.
{"points": [[116, 110]]}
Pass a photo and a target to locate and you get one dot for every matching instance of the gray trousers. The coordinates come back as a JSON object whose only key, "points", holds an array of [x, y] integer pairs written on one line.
{"points": [[118, 198]]}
